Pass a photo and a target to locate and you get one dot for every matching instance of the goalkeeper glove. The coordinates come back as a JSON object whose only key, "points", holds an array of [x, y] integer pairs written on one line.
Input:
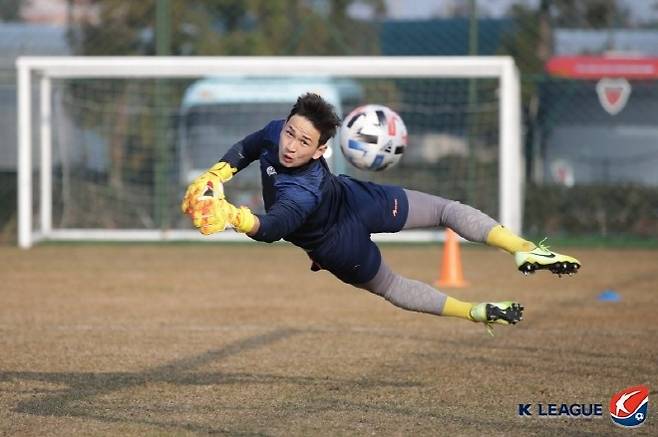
{"points": [[208, 215], [211, 215], [211, 179]]}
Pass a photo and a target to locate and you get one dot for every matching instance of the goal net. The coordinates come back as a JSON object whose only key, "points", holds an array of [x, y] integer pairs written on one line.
{"points": [[107, 145]]}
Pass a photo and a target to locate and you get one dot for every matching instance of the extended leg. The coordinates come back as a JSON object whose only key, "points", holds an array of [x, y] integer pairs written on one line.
{"points": [[417, 296], [426, 210]]}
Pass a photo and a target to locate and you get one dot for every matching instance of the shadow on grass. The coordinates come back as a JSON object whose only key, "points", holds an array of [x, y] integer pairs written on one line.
{"points": [[82, 387]]}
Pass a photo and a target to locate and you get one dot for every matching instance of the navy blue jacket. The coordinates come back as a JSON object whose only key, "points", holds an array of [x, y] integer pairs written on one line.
{"points": [[301, 204]]}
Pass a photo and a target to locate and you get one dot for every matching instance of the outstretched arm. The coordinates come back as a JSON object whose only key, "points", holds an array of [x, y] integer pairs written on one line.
{"points": [[245, 151], [240, 155], [212, 213], [283, 218]]}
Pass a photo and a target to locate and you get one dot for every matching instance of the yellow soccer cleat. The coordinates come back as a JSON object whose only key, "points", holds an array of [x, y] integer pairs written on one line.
{"points": [[540, 258], [502, 313]]}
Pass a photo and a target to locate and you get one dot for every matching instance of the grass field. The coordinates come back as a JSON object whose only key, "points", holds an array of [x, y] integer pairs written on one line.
{"points": [[245, 340]]}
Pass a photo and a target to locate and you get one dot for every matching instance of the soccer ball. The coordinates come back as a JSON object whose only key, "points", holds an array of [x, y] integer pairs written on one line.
{"points": [[373, 137]]}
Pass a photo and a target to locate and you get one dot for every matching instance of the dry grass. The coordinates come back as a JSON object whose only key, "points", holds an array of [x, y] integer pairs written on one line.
{"points": [[245, 340]]}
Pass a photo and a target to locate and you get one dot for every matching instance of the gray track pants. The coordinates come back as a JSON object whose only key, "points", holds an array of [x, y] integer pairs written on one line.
{"points": [[426, 210]]}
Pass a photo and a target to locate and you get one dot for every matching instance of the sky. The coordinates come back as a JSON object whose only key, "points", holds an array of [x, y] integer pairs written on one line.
{"points": [[641, 10], [417, 9]]}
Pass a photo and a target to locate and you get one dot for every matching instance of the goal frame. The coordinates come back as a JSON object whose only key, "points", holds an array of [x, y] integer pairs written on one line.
{"points": [[44, 69]]}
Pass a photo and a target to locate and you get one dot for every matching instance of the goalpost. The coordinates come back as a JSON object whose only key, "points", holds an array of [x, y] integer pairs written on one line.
{"points": [[115, 139]]}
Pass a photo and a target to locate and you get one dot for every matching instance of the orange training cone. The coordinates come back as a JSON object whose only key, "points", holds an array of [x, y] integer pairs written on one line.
{"points": [[451, 274]]}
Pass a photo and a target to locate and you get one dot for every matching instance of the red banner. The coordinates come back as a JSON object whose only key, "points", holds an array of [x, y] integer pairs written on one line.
{"points": [[596, 67]]}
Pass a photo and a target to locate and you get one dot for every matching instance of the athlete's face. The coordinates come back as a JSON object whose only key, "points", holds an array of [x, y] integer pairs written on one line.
{"points": [[299, 142]]}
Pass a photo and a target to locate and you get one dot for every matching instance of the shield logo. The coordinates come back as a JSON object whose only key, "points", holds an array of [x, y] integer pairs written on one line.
{"points": [[613, 94]]}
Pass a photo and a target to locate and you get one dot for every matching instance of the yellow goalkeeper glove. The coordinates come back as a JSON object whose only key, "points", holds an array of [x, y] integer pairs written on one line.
{"points": [[211, 215], [210, 180], [208, 215]]}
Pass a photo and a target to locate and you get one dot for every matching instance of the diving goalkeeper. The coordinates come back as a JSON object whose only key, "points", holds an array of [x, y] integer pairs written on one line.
{"points": [[331, 217]]}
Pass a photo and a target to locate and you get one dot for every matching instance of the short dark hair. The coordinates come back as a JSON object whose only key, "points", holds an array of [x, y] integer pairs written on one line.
{"points": [[319, 112]]}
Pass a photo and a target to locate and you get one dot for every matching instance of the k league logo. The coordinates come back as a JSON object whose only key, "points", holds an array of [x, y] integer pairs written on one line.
{"points": [[628, 408]]}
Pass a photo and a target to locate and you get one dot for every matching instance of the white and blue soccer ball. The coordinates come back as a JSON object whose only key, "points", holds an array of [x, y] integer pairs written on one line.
{"points": [[373, 137]]}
